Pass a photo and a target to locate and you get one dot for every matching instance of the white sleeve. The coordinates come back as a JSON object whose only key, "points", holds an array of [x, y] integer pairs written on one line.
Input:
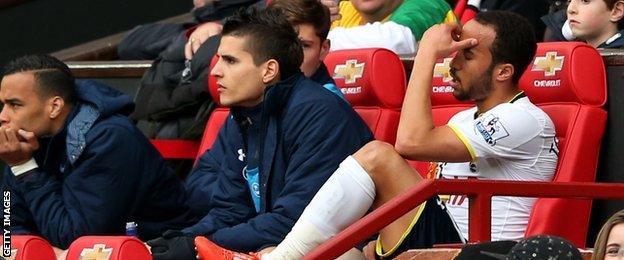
{"points": [[504, 131], [389, 35]]}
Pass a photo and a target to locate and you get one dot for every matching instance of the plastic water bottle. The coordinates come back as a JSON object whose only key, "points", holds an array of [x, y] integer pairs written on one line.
{"points": [[131, 229]]}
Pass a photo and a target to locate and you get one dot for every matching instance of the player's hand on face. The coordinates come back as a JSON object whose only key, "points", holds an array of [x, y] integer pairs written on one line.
{"points": [[199, 36], [442, 40], [334, 9], [16, 147]]}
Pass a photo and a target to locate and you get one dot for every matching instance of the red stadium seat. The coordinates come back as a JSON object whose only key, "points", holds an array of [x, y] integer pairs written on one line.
{"points": [[217, 117], [176, 148], [460, 7], [216, 120], [108, 247], [443, 104], [185, 149], [468, 14], [373, 81], [25, 247], [568, 81], [464, 11]]}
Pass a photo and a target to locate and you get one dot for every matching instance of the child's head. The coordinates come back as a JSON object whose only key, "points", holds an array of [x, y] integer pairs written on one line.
{"points": [[311, 20], [595, 21]]}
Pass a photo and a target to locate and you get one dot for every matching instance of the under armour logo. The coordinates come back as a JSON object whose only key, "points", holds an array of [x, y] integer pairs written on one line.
{"points": [[241, 155]]}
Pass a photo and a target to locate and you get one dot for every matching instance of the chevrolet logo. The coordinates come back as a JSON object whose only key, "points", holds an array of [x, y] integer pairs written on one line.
{"points": [[443, 70], [350, 71], [98, 252], [550, 64]]}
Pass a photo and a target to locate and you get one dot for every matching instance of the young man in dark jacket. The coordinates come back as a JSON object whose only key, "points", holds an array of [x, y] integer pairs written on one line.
{"points": [[77, 165], [285, 136], [310, 19]]}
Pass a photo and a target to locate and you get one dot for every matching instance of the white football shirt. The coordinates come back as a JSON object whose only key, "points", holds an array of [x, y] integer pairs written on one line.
{"points": [[512, 141]]}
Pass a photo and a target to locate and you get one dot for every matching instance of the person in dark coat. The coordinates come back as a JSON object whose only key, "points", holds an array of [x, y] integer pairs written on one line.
{"points": [[285, 136], [76, 164]]}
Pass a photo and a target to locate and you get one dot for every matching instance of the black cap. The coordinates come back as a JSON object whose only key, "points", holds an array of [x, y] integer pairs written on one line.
{"points": [[535, 247], [485, 251], [544, 247]]}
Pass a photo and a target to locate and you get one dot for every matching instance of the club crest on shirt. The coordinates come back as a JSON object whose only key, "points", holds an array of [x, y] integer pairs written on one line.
{"points": [[256, 189], [491, 129]]}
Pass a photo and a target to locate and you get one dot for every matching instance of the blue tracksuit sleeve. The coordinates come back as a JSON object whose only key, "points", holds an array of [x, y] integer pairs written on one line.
{"points": [[93, 198], [319, 137], [199, 183], [19, 211], [216, 190], [206, 179]]}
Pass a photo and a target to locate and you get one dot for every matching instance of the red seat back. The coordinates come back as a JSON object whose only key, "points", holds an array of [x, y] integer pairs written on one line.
{"points": [[217, 117], [469, 13], [212, 82], [464, 11], [460, 7], [191, 149], [567, 80], [443, 104], [25, 247], [214, 124], [108, 247], [373, 81]]}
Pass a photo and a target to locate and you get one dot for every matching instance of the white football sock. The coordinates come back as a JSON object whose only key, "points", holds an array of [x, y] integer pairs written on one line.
{"points": [[344, 198]]}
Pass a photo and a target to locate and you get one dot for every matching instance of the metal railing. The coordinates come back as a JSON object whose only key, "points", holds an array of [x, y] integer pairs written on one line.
{"points": [[480, 194]]}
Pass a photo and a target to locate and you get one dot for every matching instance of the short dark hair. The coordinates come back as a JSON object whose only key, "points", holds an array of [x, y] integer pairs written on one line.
{"points": [[269, 36], [53, 77], [312, 12], [611, 5], [514, 42]]}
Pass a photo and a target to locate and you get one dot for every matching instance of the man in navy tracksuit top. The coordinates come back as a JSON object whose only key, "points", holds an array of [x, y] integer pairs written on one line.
{"points": [[311, 19], [284, 137], [77, 165]]}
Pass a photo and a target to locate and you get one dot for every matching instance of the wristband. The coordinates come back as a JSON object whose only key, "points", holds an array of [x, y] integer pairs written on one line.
{"points": [[24, 167]]}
